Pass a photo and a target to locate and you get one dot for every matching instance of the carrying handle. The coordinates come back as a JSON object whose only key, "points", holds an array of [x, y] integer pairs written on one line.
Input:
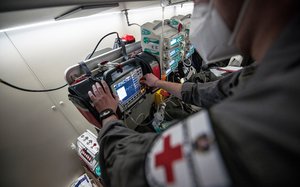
{"points": [[186, 17], [166, 22], [85, 69]]}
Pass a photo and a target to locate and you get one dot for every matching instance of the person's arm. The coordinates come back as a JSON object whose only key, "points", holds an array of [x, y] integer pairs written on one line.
{"points": [[122, 150], [102, 99], [210, 93], [202, 94], [173, 88], [109, 119], [152, 81], [122, 154]]}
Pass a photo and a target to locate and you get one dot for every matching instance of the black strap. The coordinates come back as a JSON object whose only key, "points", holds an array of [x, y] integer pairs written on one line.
{"points": [[85, 69], [123, 48], [152, 57]]}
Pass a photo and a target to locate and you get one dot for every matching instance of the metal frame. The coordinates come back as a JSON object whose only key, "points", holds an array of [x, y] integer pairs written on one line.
{"points": [[74, 71]]}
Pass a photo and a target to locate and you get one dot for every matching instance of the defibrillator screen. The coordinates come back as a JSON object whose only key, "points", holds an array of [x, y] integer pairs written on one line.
{"points": [[128, 87]]}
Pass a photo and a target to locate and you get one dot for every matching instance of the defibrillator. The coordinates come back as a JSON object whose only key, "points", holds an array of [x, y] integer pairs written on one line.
{"points": [[123, 80]]}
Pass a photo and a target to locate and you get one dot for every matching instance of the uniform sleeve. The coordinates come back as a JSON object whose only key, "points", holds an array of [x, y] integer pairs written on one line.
{"points": [[122, 155], [258, 129], [207, 94]]}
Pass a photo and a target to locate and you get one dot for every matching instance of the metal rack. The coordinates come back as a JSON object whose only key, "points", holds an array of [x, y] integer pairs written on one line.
{"points": [[74, 71]]}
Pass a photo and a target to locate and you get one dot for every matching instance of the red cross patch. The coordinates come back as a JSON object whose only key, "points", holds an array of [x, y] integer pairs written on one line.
{"points": [[186, 155], [167, 157]]}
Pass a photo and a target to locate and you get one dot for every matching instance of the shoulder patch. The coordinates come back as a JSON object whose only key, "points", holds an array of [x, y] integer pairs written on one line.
{"points": [[186, 155]]}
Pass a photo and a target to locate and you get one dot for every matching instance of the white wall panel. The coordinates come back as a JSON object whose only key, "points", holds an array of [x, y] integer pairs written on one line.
{"points": [[51, 49], [34, 140]]}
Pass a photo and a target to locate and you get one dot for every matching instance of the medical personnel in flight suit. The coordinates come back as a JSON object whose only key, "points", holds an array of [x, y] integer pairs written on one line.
{"points": [[249, 134]]}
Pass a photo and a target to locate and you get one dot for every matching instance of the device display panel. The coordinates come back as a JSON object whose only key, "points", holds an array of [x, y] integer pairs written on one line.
{"points": [[128, 87]]}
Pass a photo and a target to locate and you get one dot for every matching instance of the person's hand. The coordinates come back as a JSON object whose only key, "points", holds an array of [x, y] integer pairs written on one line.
{"points": [[102, 98], [150, 80]]}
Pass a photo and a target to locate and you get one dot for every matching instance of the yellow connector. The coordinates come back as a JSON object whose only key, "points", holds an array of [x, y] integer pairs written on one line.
{"points": [[160, 96]]}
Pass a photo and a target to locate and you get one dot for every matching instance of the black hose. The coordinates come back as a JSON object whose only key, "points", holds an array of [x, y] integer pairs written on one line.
{"points": [[29, 90]]}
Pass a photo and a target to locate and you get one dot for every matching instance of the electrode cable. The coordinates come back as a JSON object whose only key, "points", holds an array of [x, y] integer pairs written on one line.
{"points": [[30, 90]]}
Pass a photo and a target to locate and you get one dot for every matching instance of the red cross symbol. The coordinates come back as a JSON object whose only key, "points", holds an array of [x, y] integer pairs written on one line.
{"points": [[167, 157]]}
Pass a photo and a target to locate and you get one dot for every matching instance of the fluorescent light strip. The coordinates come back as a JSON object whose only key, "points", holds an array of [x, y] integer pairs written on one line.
{"points": [[185, 5], [92, 16], [144, 9], [28, 26], [56, 22]]}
